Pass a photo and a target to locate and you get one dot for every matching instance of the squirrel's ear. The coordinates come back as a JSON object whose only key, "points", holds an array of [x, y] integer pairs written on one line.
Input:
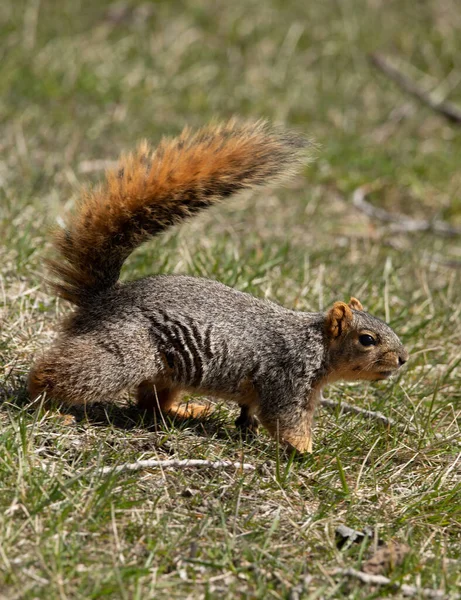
{"points": [[355, 304], [338, 319]]}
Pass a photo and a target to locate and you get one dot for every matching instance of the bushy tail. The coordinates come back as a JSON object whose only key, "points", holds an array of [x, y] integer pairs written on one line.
{"points": [[152, 190]]}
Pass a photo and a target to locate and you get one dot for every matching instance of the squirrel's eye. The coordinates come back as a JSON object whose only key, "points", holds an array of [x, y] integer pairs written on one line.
{"points": [[367, 340]]}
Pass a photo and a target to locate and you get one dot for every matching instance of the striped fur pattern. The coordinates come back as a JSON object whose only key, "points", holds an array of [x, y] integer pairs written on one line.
{"points": [[187, 347]]}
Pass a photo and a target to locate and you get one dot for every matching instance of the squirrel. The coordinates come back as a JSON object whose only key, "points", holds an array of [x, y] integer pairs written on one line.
{"points": [[168, 335]]}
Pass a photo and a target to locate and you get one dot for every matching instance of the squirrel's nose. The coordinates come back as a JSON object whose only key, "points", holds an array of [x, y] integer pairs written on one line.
{"points": [[403, 357]]}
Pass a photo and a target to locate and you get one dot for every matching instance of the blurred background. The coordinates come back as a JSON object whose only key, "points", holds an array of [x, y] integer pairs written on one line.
{"points": [[82, 81]]}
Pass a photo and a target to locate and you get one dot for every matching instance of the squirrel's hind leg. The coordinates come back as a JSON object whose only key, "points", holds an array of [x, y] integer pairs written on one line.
{"points": [[49, 380], [160, 398], [81, 370], [153, 397]]}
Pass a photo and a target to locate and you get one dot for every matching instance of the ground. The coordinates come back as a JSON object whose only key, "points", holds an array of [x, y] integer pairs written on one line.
{"points": [[83, 81]]}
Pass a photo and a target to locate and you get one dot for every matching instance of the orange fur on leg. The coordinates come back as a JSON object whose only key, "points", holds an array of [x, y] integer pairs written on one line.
{"points": [[301, 443], [36, 383], [297, 435], [42, 382], [166, 400], [191, 410]]}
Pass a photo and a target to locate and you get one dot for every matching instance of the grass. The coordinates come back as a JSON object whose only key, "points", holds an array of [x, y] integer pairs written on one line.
{"points": [[82, 81]]}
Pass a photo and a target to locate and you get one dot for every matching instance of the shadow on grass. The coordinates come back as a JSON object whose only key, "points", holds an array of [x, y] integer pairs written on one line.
{"points": [[125, 415]]}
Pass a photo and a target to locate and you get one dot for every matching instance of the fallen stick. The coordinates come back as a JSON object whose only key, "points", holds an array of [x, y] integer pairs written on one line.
{"points": [[453, 264], [180, 464], [378, 416], [407, 590], [400, 223], [446, 109], [369, 414]]}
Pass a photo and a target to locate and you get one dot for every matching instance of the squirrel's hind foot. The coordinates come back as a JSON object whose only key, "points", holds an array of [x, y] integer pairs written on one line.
{"points": [[162, 399]]}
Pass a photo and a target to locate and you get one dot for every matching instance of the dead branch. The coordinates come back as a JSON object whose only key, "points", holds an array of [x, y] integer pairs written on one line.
{"points": [[400, 223], [407, 590], [452, 263], [369, 414], [177, 464], [446, 109], [377, 416]]}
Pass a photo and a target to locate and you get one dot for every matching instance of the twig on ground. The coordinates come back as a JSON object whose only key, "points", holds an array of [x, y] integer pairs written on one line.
{"points": [[452, 263], [377, 416], [407, 590], [400, 223], [178, 464], [446, 109], [369, 414]]}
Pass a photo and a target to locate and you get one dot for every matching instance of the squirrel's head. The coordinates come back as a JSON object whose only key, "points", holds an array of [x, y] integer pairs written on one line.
{"points": [[361, 347]]}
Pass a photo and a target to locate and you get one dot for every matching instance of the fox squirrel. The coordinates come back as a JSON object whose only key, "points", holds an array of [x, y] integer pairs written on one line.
{"points": [[170, 334]]}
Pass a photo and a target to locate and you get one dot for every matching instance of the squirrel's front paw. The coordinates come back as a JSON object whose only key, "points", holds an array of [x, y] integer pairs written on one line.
{"points": [[300, 444]]}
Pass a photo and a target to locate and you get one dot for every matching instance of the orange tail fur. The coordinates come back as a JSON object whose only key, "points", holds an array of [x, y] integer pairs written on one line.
{"points": [[153, 189]]}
